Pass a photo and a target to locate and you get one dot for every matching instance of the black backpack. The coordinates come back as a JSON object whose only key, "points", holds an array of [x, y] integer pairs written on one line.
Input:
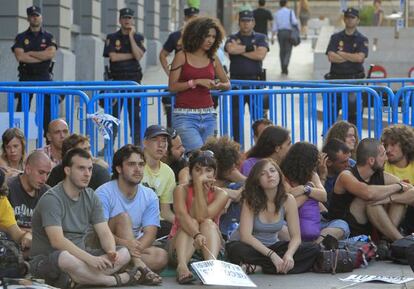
{"points": [[401, 248], [12, 264]]}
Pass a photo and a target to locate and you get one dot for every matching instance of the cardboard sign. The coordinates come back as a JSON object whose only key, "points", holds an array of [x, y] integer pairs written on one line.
{"points": [[215, 272], [369, 278]]}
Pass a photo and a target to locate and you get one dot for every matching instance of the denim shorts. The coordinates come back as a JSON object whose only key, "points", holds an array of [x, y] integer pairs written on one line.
{"points": [[337, 223], [194, 128]]}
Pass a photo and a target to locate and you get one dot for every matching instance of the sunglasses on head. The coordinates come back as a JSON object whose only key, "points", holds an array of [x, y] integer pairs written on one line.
{"points": [[172, 132]]}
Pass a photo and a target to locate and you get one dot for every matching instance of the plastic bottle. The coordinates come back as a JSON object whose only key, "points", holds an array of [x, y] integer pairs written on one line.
{"points": [[359, 238], [232, 227]]}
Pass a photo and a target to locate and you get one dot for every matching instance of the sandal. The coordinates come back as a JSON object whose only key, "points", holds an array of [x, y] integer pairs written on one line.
{"points": [[185, 278], [134, 274], [149, 277], [249, 268]]}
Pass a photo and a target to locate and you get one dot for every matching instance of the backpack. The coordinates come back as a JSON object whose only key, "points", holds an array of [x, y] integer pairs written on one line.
{"points": [[400, 249], [12, 264], [361, 252]]}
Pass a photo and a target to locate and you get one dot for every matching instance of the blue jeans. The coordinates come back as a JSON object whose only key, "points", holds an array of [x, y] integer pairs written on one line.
{"points": [[194, 128]]}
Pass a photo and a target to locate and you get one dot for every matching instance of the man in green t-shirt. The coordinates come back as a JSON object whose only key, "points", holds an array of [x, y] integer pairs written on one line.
{"points": [[159, 176]]}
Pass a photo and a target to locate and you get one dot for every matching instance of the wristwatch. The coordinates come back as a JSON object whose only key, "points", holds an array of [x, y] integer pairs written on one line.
{"points": [[307, 190]]}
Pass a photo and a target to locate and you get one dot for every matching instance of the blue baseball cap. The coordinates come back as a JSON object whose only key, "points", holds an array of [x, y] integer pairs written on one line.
{"points": [[246, 15], [34, 10]]}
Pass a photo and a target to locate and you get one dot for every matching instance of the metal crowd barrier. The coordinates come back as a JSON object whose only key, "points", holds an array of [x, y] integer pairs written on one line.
{"points": [[55, 94]]}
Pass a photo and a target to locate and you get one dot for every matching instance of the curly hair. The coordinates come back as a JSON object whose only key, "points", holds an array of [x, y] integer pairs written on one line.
{"points": [[300, 162], [401, 134], [339, 130], [8, 135], [4, 189], [254, 195], [197, 30], [226, 151], [270, 138]]}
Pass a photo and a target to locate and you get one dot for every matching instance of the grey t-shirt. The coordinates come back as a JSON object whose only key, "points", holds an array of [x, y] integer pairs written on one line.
{"points": [[55, 208]]}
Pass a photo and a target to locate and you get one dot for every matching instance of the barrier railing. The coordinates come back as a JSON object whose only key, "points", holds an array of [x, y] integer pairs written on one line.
{"points": [[404, 98], [294, 109], [54, 107]]}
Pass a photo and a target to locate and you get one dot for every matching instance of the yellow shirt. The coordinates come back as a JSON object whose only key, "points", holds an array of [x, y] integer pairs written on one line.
{"points": [[7, 218], [405, 174], [162, 182]]}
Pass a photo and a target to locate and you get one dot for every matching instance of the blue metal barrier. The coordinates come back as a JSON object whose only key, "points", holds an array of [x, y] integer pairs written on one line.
{"points": [[404, 97], [301, 118], [40, 94]]}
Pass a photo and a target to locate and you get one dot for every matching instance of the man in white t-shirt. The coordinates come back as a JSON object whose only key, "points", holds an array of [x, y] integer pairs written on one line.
{"points": [[132, 211]]}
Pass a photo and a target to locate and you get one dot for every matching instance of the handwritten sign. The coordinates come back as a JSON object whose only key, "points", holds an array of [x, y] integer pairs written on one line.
{"points": [[369, 278], [215, 272]]}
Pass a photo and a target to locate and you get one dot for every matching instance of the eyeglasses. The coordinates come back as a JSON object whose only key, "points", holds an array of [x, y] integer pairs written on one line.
{"points": [[172, 132]]}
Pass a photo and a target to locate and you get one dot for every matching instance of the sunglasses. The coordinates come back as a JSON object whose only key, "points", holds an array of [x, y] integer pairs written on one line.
{"points": [[202, 155], [172, 132]]}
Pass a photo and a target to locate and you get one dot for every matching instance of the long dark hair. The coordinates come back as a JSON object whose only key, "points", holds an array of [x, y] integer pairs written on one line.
{"points": [[197, 30], [253, 193], [270, 138], [300, 162]]}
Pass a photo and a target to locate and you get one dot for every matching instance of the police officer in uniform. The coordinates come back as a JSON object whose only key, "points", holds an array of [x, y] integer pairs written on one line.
{"points": [[246, 49], [125, 48], [34, 49], [173, 44], [347, 51]]}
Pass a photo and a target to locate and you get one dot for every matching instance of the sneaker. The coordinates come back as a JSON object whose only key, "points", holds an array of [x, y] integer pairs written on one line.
{"points": [[383, 250]]}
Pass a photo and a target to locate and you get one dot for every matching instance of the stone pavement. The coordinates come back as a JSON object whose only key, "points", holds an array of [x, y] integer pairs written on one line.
{"points": [[313, 280]]}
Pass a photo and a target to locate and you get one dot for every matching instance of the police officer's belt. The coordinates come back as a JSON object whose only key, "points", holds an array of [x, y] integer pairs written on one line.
{"points": [[30, 70], [246, 77], [125, 74], [331, 75]]}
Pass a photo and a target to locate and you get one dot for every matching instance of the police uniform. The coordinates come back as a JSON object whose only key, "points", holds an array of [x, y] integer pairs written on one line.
{"points": [[245, 68], [125, 70], [355, 43], [40, 71]]}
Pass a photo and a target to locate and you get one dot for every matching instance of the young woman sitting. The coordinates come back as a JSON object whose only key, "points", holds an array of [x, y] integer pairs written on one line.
{"points": [[265, 207], [197, 208]]}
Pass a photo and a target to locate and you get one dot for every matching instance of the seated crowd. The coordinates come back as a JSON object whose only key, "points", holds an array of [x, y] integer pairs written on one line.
{"points": [[78, 225]]}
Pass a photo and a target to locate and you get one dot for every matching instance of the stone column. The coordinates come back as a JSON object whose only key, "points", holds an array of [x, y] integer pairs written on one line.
{"points": [[58, 19], [138, 7], [89, 45], [152, 30]]}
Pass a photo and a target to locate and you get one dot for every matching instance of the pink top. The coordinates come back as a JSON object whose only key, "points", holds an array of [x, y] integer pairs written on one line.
{"points": [[200, 96], [188, 202]]}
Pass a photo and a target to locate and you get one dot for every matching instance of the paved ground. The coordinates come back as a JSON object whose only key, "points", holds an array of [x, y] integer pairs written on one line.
{"points": [[314, 280]]}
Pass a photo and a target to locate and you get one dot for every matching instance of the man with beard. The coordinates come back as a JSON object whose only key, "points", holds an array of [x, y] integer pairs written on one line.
{"points": [[398, 141], [60, 221], [34, 49], [133, 213], [360, 194]]}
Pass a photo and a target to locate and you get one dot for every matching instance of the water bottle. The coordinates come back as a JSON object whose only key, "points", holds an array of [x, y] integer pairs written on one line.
{"points": [[359, 238], [232, 227]]}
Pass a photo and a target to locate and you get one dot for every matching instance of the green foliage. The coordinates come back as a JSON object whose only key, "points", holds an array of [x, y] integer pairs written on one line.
{"points": [[193, 3], [366, 16]]}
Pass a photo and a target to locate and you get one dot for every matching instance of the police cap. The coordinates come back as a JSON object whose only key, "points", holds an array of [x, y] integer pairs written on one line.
{"points": [[190, 11], [33, 10], [246, 15], [126, 12], [351, 12]]}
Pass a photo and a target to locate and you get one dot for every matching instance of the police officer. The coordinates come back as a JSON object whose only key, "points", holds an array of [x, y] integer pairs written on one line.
{"points": [[246, 49], [173, 44], [34, 49], [347, 51], [125, 48]]}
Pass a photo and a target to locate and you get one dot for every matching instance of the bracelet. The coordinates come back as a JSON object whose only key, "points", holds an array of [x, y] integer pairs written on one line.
{"points": [[196, 235], [191, 83], [270, 253], [402, 187]]}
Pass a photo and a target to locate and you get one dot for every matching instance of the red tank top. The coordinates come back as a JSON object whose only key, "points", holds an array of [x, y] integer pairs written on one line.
{"points": [[200, 96]]}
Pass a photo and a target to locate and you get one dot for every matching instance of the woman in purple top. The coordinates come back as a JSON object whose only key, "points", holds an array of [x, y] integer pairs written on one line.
{"points": [[274, 143]]}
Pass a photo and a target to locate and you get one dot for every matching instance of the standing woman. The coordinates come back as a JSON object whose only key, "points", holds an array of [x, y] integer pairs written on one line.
{"points": [[197, 208], [265, 207], [193, 73], [13, 156], [304, 14]]}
